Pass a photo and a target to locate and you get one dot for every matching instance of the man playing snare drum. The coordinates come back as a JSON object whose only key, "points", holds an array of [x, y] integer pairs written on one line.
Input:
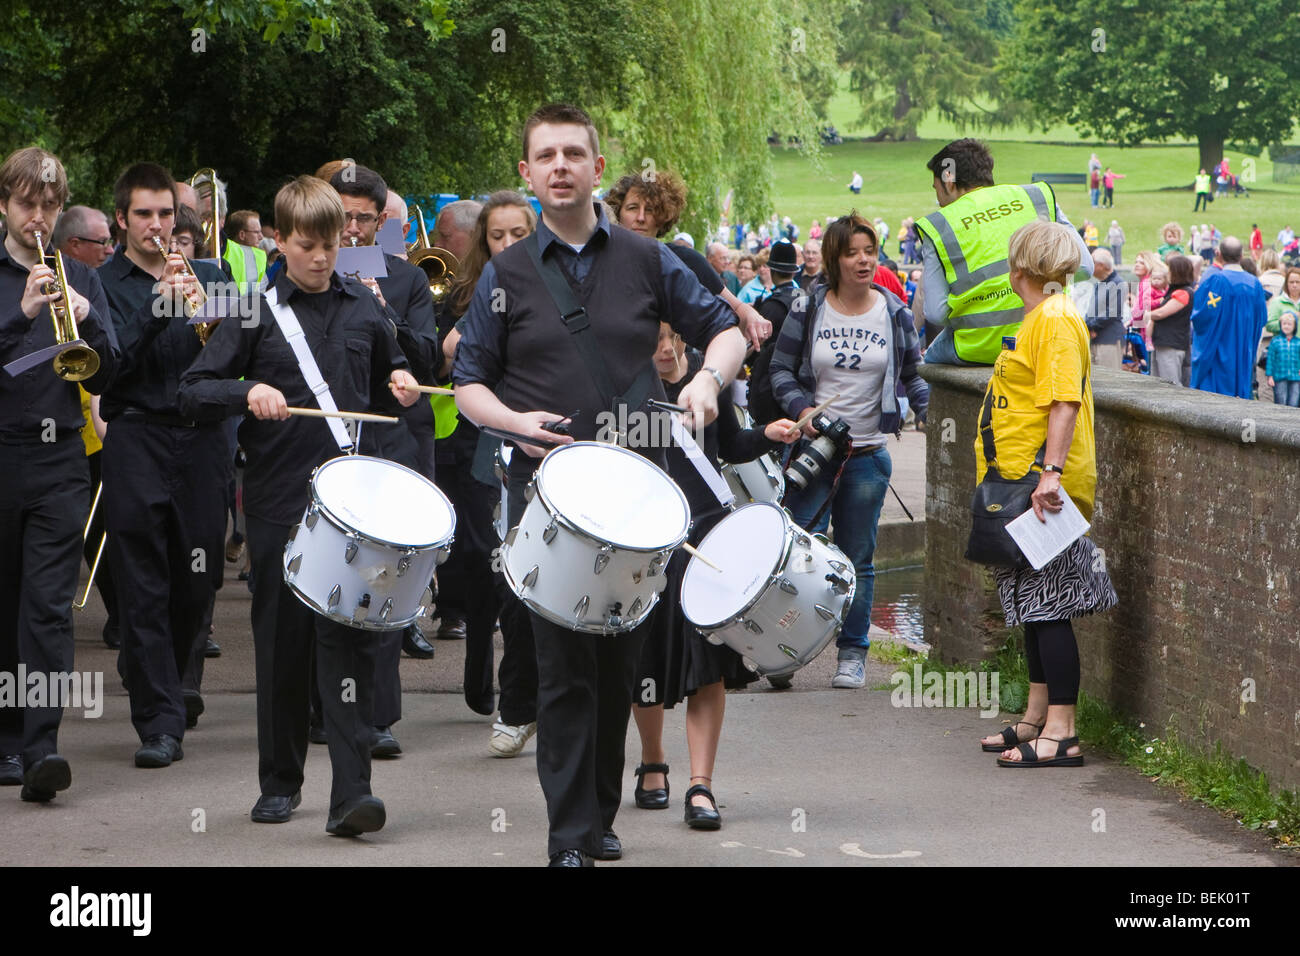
{"points": [[514, 339]]}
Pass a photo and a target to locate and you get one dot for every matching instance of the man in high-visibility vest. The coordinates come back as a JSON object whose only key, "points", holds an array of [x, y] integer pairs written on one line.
{"points": [[1202, 191], [247, 261], [965, 285]]}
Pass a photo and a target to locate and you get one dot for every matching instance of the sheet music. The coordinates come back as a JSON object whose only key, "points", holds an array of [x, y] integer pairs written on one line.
{"points": [[1039, 541]]}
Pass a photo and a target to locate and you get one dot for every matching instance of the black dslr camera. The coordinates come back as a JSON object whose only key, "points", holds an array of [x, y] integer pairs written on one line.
{"points": [[808, 464]]}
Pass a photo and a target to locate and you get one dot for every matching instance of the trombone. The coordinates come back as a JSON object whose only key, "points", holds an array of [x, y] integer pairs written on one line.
{"points": [[94, 568], [439, 265], [192, 302], [76, 363], [207, 177]]}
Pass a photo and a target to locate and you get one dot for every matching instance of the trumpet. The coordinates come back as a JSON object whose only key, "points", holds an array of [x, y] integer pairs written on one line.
{"points": [[439, 264], [192, 302], [77, 362]]}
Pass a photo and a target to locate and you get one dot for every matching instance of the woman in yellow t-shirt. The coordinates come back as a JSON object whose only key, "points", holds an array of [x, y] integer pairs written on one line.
{"points": [[1042, 398]]}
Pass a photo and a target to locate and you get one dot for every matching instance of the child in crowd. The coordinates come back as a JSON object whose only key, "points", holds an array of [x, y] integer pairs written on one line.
{"points": [[1283, 362], [1172, 234]]}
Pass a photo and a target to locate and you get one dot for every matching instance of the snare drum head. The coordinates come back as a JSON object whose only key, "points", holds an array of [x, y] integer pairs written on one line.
{"points": [[747, 545], [384, 501], [614, 495]]}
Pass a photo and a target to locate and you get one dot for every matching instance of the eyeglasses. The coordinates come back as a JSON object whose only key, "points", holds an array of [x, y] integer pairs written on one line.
{"points": [[106, 241], [360, 218]]}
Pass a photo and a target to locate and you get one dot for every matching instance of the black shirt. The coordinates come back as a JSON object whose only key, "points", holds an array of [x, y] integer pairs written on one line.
{"points": [[31, 400], [354, 347], [157, 343], [707, 275], [1174, 331]]}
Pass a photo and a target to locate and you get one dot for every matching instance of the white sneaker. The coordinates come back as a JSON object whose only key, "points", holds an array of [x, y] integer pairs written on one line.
{"points": [[851, 674], [508, 740]]}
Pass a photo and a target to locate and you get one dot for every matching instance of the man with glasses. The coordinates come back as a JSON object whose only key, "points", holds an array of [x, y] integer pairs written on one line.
{"points": [[247, 261], [83, 234]]}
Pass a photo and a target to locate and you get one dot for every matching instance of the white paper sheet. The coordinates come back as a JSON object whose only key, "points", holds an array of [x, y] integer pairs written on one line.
{"points": [[1041, 541]]}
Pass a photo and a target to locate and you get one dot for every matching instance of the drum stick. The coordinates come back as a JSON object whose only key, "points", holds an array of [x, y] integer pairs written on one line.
{"points": [[430, 389], [517, 438], [813, 413], [356, 416], [696, 554]]}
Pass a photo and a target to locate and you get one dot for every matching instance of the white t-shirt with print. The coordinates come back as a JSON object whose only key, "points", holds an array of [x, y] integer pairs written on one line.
{"points": [[850, 357]]}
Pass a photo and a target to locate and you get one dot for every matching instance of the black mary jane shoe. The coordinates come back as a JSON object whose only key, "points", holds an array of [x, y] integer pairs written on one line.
{"points": [[702, 818], [651, 799]]}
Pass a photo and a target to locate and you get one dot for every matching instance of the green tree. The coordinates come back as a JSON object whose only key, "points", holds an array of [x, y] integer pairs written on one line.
{"points": [[1133, 72], [908, 59]]}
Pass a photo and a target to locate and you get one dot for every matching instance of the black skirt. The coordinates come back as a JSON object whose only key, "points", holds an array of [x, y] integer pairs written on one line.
{"points": [[676, 659]]}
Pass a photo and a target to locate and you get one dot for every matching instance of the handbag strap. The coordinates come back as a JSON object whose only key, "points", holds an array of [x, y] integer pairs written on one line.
{"points": [[986, 430], [575, 319]]}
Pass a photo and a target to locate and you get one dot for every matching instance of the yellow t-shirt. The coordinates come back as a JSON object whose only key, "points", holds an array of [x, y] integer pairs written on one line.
{"points": [[1050, 363], [88, 436]]}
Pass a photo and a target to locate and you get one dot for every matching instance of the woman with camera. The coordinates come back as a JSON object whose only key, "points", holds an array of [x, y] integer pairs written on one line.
{"points": [[851, 347]]}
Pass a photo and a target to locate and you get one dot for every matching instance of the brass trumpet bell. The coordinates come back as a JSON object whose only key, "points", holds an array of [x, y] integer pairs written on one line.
{"points": [[79, 362], [439, 265]]}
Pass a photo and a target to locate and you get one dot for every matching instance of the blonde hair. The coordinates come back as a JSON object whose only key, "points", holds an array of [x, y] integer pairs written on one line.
{"points": [[27, 173], [1176, 229], [310, 207], [1149, 259], [1044, 252]]}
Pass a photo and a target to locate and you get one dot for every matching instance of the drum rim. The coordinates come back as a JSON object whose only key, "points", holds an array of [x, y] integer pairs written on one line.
{"points": [[324, 510], [791, 535], [561, 518]]}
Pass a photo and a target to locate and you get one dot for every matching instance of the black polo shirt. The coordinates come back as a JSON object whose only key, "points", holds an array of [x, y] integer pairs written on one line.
{"points": [[156, 345], [31, 400], [352, 341]]}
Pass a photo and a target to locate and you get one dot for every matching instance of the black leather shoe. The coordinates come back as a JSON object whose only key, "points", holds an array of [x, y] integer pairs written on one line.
{"points": [[362, 815], [452, 629], [781, 682], [316, 734], [414, 644], [193, 708], [160, 750], [45, 778], [11, 770], [651, 799], [611, 847], [571, 858], [384, 744], [273, 809], [702, 818], [111, 639], [212, 649]]}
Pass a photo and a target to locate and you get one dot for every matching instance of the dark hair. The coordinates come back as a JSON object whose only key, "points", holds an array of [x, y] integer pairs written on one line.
{"points": [[836, 241], [561, 113], [1181, 273], [476, 258], [187, 221], [963, 164], [149, 176], [664, 195], [361, 182]]}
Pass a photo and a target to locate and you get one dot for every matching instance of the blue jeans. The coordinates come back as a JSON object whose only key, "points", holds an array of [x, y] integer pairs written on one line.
{"points": [[1286, 392], [1095, 195], [943, 350], [855, 511]]}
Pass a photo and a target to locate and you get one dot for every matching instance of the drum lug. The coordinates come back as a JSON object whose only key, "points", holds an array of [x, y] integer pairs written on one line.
{"points": [[529, 491], [803, 541], [839, 566], [785, 585], [580, 609], [548, 534], [530, 578], [712, 638], [751, 626], [350, 551], [336, 595], [509, 540], [615, 619], [826, 613], [294, 563], [362, 609], [636, 606], [838, 584], [386, 610], [749, 664], [656, 564], [602, 558], [312, 517], [443, 554], [788, 651]]}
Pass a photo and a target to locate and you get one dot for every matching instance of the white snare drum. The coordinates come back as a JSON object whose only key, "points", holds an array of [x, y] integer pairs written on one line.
{"points": [[368, 543], [590, 550], [781, 596], [757, 480], [501, 468]]}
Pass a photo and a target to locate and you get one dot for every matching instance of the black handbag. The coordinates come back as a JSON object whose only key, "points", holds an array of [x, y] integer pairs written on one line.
{"points": [[998, 501]]}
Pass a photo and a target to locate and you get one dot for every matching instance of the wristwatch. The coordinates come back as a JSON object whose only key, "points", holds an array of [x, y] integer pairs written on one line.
{"points": [[717, 376], [1056, 468]]}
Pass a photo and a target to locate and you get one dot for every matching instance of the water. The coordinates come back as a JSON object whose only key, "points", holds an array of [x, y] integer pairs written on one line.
{"points": [[897, 603]]}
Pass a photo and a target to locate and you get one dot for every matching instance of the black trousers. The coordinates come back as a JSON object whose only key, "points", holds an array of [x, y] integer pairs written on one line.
{"points": [[164, 501], [584, 701], [104, 575], [44, 498], [285, 632]]}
